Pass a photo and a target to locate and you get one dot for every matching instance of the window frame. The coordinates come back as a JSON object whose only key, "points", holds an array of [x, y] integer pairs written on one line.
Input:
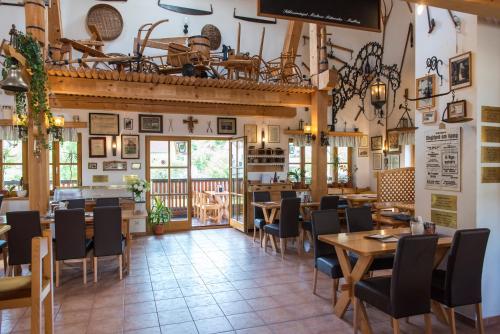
{"points": [[336, 182], [23, 164], [56, 164]]}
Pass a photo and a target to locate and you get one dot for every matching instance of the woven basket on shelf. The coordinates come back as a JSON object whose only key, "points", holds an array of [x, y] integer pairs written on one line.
{"points": [[213, 34], [107, 19]]}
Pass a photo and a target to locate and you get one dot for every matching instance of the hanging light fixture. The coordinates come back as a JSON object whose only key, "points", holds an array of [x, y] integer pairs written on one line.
{"points": [[14, 81], [57, 127], [310, 137], [378, 96]]}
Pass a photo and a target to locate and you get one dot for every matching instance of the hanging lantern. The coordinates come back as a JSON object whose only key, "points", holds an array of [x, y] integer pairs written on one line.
{"points": [[14, 81], [378, 94]]}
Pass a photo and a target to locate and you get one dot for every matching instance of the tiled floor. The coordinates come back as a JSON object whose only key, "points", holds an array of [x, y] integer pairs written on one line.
{"points": [[204, 281]]}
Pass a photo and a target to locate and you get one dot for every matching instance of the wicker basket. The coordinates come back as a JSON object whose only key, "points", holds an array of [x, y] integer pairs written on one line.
{"points": [[107, 19], [213, 35]]}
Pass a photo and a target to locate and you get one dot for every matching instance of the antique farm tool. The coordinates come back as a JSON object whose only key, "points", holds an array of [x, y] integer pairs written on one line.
{"points": [[253, 19], [185, 10], [430, 20]]}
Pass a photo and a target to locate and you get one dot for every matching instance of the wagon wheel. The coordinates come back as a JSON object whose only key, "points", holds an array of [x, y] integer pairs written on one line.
{"points": [[144, 66]]}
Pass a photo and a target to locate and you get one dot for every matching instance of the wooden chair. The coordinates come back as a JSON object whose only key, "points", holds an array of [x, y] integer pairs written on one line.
{"points": [[207, 207], [35, 290]]}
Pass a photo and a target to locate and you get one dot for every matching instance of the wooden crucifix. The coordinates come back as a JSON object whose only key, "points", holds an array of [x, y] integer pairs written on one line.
{"points": [[190, 123]]}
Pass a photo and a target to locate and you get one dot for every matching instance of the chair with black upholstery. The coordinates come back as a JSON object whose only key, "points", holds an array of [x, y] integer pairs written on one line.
{"points": [[325, 203], [288, 226], [78, 203], [3, 245], [25, 225], [258, 214], [408, 292], [108, 238], [360, 220], [107, 201], [460, 283], [325, 257], [288, 194], [71, 243]]}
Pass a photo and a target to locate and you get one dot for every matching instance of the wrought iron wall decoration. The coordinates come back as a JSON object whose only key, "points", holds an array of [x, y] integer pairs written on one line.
{"points": [[356, 79], [185, 10], [433, 64], [430, 20]]}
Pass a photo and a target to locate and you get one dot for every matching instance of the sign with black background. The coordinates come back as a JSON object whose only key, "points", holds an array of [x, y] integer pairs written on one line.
{"points": [[356, 14]]}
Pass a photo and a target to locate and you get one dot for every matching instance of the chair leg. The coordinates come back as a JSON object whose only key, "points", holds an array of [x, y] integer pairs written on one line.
{"points": [[282, 248], [265, 242], [84, 262], [254, 233], [120, 266], [48, 309], [5, 262], [355, 320], [315, 280], [36, 316], [335, 288], [451, 319], [479, 316], [58, 269], [363, 318], [95, 269], [299, 246], [260, 237], [428, 323], [395, 326]]}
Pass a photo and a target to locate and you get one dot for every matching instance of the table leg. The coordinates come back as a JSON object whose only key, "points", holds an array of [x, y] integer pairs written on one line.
{"points": [[436, 307], [128, 252], [269, 216]]}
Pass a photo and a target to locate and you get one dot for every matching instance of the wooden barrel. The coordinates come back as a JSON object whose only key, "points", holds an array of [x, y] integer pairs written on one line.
{"points": [[178, 55], [200, 44], [35, 19]]}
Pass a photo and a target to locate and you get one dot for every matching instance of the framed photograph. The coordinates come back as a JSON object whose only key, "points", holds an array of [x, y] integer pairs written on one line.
{"points": [[97, 147], [461, 71], [457, 109], [128, 124], [426, 86], [226, 126], [377, 161], [273, 133], [393, 161], [151, 123], [104, 124], [364, 141], [135, 166], [113, 166], [429, 117], [130, 147], [363, 152], [251, 133], [376, 143], [92, 165], [393, 142]]}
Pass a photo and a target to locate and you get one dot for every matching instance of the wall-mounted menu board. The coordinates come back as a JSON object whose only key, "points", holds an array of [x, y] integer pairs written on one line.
{"points": [[356, 14]]}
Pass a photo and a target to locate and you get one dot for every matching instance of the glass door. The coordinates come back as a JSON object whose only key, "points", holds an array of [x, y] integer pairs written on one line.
{"points": [[237, 184], [169, 174]]}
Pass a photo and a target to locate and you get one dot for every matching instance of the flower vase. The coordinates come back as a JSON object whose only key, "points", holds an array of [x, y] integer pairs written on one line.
{"points": [[139, 204]]}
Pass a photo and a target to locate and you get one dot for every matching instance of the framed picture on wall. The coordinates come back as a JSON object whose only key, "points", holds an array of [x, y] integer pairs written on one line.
{"points": [[251, 133], [128, 124], [364, 141], [461, 71], [429, 117], [112, 166], [393, 161], [273, 132], [363, 152], [97, 147], [104, 124], [92, 165], [151, 123], [426, 86], [377, 161], [393, 142], [130, 146], [226, 126], [457, 110], [376, 143], [135, 166]]}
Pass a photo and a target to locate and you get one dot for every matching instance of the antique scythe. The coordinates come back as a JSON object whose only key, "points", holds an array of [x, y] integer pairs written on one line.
{"points": [[253, 19], [185, 10]]}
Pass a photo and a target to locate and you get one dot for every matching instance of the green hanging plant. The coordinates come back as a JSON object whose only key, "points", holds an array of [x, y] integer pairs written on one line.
{"points": [[29, 47]]}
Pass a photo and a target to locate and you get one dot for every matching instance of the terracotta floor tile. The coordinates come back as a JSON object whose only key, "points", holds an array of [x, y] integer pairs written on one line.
{"points": [[205, 312], [174, 316], [182, 328], [245, 320], [213, 325], [141, 321], [236, 307]]}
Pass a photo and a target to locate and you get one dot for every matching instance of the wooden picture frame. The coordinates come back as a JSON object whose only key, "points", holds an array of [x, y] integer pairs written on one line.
{"points": [[130, 146], [425, 86], [460, 71], [135, 166], [150, 123], [114, 166], [393, 142], [456, 110], [429, 117], [226, 126], [377, 161], [364, 142], [97, 147], [393, 161], [251, 133], [376, 143], [128, 124], [273, 134], [363, 152], [92, 165], [104, 124]]}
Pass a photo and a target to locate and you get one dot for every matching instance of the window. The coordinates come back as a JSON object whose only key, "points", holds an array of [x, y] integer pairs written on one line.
{"points": [[65, 164], [299, 159], [13, 155], [339, 165]]}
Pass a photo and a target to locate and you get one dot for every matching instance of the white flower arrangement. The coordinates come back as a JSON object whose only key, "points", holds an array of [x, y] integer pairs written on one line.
{"points": [[138, 187]]}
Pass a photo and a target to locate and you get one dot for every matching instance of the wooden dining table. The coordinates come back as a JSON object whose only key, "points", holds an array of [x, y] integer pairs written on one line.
{"points": [[366, 250], [221, 198], [381, 221], [356, 200]]}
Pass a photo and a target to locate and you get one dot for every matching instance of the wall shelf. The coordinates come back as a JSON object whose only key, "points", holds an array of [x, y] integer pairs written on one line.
{"points": [[408, 129], [69, 125], [261, 168], [330, 133]]}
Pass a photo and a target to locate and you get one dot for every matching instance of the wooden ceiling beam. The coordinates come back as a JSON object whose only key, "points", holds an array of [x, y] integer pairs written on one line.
{"points": [[292, 37], [485, 8], [162, 92], [114, 104]]}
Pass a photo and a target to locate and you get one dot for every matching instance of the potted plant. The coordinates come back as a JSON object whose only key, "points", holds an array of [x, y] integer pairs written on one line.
{"points": [[139, 188], [296, 176], [159, 215]]}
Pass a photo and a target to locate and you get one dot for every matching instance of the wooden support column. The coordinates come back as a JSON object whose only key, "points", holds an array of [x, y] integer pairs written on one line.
{"points": [[38, 164], [54, 19], [319, 120], [292, 37]]}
